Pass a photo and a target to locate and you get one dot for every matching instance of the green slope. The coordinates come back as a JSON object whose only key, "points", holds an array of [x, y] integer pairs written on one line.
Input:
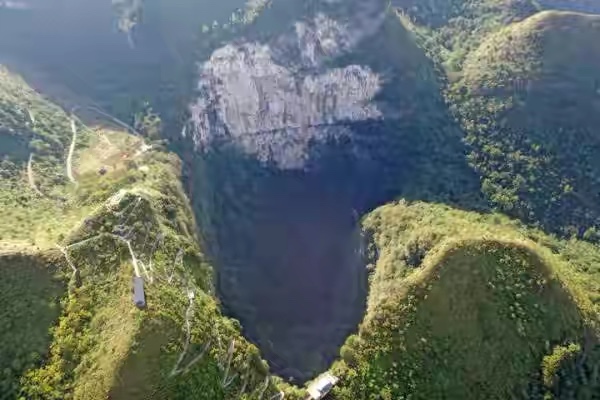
{"points": [[524, 83], [68, 255], [469, 306], [454, 28]]}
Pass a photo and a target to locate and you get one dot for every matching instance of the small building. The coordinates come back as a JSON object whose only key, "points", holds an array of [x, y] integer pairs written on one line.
{"points": [[139, 298], [321, 386]]}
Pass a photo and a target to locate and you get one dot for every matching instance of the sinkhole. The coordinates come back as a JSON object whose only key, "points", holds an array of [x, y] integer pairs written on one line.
{"points": [[288, 250]]}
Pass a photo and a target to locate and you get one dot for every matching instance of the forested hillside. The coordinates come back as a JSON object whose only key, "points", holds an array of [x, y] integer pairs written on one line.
{"points": [[467, 306], [403, 194], [449, 286], [85, 209], [523, 82], [529, 99]]}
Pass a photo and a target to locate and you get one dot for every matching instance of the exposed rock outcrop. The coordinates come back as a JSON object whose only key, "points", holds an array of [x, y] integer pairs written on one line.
{"points": [[275, 99]]}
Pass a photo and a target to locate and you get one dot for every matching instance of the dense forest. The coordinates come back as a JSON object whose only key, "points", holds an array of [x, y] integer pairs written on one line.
{"points": [[400, 193]]}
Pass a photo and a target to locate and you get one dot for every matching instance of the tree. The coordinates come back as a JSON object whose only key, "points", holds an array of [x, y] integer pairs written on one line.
{"points": [[148, 123]]}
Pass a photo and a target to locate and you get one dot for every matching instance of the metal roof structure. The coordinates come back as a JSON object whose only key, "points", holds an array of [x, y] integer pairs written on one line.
{"points": [[139, 297], [322, 386]]}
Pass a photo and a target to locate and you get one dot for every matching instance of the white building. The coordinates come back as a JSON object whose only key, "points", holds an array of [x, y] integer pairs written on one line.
{"points": [[321, 386]]}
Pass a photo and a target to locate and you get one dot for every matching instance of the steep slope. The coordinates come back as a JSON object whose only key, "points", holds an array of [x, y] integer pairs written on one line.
{"points": [[116, 54], [469, 306], [124, 216], [314, 114], [529, 100]]}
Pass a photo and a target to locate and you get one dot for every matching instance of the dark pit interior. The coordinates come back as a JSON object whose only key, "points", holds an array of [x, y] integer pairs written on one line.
{"points": [[289, 255], [300, 287]]}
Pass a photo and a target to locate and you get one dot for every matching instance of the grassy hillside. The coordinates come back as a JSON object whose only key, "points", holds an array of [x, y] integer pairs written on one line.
{"points": [[529, 101], [70, 247], [469, 306]]}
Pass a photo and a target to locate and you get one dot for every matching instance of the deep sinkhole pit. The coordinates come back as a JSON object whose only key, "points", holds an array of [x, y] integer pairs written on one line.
{"points": [[301, 289], [289, 256]]}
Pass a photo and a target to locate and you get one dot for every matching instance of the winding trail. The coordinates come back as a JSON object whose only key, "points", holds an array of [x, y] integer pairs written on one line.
{"points": [[227, 380], [71, 151], [31, 178], [31, 116], [178, 261]]}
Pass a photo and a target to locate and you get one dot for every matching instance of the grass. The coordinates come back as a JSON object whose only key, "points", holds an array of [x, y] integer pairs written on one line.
{"points": [[36, 128], [464, 305], [103, 344], [453, 29], [524, 85]]}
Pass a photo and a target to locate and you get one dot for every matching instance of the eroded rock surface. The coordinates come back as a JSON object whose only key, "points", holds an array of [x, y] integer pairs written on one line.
{"points": [[274, 99]]}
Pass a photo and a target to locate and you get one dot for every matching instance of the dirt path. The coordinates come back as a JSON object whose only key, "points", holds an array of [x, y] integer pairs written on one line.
{"points": [[71, 151], [31, 178], [63, 250]]}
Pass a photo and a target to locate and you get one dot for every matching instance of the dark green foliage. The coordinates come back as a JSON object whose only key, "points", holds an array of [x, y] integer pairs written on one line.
{"points": [[148, 123], [84, 342], [534, 148], [434, 341], [454, 28], [477, 311], [571, 371], [461, 305], [30, 290]]}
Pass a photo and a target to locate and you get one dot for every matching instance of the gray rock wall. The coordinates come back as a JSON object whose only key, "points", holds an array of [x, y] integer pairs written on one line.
{"points": [[274, 99]]}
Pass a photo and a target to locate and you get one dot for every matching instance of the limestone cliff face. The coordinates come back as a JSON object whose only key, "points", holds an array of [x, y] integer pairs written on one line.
{"points": [[275, 99]]}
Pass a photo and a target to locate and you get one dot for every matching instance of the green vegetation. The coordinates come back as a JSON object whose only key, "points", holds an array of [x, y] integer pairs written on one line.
{"points": [[462, 304], [470, 306], [450, 30], [529, 104], [524, 85], [90, 341], [29, 294]]}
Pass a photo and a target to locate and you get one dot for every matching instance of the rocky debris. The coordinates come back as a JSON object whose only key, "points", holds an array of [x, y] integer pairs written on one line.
{"points": [[275, 99]]}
